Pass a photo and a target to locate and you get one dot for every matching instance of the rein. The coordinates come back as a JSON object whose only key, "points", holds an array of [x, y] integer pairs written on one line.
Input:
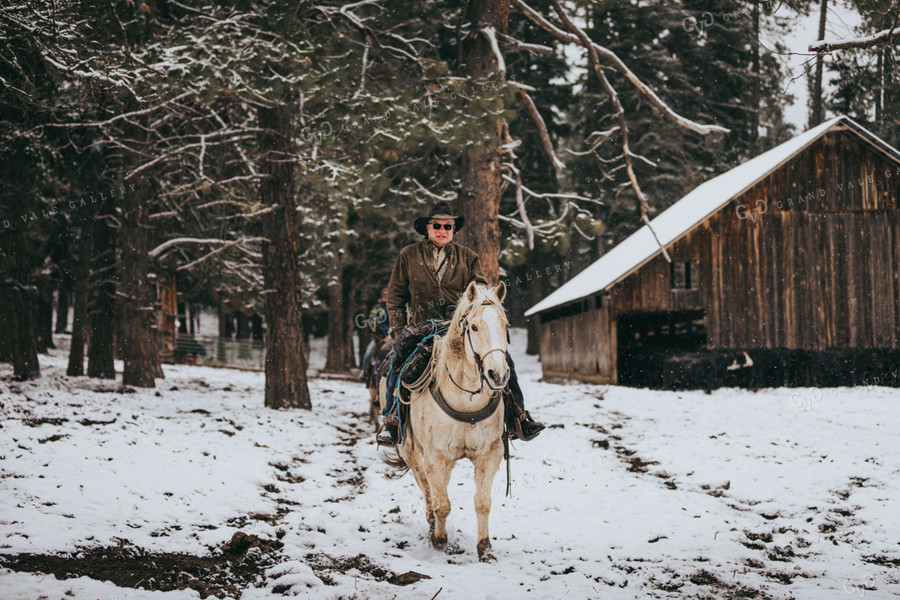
{"points": [[488, 410]]}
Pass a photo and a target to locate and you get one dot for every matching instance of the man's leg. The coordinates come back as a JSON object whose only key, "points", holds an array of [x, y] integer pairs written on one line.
{"points": [[388, 435], [367, 360], [529, 427]]}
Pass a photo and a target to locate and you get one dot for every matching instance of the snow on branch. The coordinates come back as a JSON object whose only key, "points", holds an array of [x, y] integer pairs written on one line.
{"points": [[620, 117], [511, 43], [860, 42], [542, 128], [492, 37], [209, 241], [620, 66]]}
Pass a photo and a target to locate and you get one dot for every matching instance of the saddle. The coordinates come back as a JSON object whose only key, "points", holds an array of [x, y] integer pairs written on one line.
{"points": [[411, 350], [407, 358]]}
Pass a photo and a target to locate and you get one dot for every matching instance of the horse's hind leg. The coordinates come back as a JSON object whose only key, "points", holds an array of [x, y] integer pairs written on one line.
{"points": [[374, 406], [486, 466], [439, 469]]}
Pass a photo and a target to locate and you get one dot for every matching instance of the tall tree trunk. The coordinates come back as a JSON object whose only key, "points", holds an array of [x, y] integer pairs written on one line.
{"points": [[817, 114], [101, 342], [139, 327], [536, 294], [888, 101], [256, 325], [481, 165], [118, 332], [44, 316], [230, 328], [183, 318], [879, 93], [192, 317], [243, 326], [223, 321], [350, 361], [286, 384], [80, 313], [62, 306], [6, 323], [336, 354], [18, 299], [756, 98]]}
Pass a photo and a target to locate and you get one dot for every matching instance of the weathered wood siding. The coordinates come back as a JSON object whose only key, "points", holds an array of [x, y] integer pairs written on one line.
{"points": [[809, 258], [582, 345]]}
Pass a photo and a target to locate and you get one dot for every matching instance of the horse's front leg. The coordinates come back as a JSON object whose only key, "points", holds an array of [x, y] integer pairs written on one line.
{"points": [[438, 469], [486, 466], [417, 466]]}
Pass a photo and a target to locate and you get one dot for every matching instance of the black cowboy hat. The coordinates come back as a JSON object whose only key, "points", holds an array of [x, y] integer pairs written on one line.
{"points": [[441, 210]]}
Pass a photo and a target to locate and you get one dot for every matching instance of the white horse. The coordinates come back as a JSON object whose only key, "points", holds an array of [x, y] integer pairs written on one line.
{"points": [[470, 372]]}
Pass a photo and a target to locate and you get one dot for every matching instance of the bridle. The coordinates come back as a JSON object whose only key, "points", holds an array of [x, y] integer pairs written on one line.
{"points": [[479, 360]]}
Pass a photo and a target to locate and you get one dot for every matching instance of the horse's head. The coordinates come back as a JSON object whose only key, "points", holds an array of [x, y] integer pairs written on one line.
{"points": [[479, 332]]}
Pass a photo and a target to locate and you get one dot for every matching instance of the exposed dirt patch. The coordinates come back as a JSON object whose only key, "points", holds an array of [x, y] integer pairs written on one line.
{"points": [[239, 566], [704, 577], [763, 537], [724, 589], [636, 464], [781, 553], [882, 560], [43, 421], [324, 566]]}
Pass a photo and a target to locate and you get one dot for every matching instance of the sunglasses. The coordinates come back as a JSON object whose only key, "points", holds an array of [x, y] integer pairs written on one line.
{"points": [[435, 226]]}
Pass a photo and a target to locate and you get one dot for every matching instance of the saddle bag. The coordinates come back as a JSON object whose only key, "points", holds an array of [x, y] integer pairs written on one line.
{"points": [[409, 338], [418, 363]]}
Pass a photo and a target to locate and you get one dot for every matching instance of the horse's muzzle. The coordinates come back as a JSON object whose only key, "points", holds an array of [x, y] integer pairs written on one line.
{"points": [[496, 381]]}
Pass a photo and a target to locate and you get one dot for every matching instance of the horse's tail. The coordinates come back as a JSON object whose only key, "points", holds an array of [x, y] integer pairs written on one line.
{"points": [[395, 462]]}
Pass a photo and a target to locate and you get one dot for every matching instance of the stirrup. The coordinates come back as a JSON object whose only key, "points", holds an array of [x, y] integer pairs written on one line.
{"points": [[385, 438], [388, 434], [518, 433]]}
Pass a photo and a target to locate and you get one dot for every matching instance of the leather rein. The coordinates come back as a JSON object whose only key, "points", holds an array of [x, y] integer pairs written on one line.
{"points": [[487, 411]]}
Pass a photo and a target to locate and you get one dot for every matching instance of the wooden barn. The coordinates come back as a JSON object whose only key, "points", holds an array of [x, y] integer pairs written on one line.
{"points": [[784, 272]]}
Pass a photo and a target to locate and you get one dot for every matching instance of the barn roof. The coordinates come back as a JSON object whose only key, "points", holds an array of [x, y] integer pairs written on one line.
{"points": [[701, 203]]}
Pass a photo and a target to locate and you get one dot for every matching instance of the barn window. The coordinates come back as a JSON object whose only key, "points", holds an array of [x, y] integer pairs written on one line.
{"points": [[683, 275]]}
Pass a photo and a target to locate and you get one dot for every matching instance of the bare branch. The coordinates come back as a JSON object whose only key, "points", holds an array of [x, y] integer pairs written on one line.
{"points": [[514, 45], [492, 37], [884, 36], [542, 129], [520, 202], [600, 137], [620, 116], [212, 241], [617, 63]]}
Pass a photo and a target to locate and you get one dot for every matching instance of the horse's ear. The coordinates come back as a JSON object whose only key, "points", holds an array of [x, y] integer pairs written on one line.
{"points": [[500, 291], [471, 292]]}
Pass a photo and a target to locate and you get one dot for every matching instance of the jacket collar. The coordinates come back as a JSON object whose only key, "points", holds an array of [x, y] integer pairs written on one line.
{"points": [[425, 250]]}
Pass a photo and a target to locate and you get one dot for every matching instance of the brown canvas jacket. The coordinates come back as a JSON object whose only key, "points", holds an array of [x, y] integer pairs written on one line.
{"points": [[413, 282]]}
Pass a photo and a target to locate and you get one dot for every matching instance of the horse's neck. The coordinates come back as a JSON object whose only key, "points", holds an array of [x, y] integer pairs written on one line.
{"points": [[465, 375]]}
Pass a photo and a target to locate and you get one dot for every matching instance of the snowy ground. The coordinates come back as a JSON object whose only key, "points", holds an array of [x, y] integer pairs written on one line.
{"points": [[631, 494]]}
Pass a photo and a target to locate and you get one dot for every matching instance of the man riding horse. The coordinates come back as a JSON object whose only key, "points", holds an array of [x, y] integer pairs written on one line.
{"points": [[427, 281]]}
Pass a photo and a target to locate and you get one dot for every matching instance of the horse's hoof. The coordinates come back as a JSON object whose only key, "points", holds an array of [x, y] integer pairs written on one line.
{"points": [[484, 551]]}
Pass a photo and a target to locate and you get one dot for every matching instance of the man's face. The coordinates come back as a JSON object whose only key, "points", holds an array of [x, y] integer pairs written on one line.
{"points": [[437, 234]]}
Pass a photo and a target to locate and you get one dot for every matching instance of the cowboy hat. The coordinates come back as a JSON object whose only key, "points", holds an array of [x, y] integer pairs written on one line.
{"points": [[441, 210]]}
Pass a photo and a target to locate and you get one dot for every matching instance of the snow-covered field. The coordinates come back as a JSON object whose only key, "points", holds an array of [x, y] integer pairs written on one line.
{"points": [[631, 493]]}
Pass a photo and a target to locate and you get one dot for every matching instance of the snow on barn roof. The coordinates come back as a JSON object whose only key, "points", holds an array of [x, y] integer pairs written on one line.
{"points": [[702, 202]]}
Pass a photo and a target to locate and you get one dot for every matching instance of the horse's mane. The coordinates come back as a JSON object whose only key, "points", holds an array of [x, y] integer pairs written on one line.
{"points": [[450, 347]]}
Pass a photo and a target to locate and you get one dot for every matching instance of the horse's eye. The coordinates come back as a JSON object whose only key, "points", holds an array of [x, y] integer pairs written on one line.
{"points": [[474, 327]]}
